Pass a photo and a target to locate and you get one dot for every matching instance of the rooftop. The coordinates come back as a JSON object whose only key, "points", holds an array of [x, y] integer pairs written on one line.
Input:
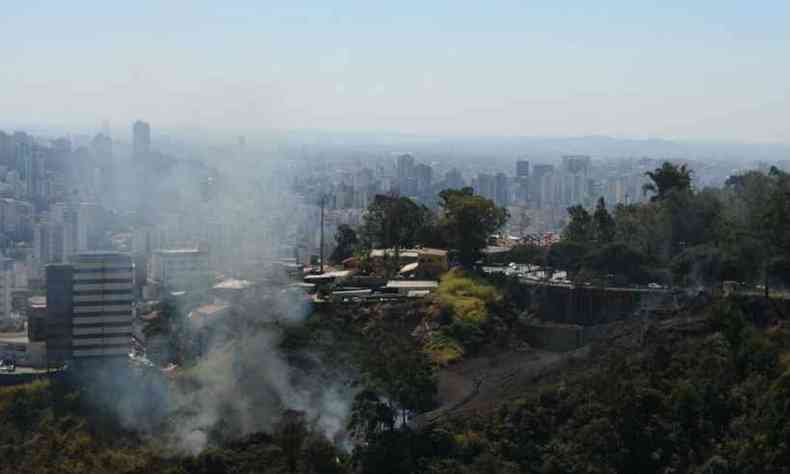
{"points": [[100, 255], [429, 251], [211, 309], [402, 253], [337, 274], [495, 249], [412, 284], [201, 315], [233, 284], [410, 267], [37, 301], [409, 252], [178, 251], [14, 337]]}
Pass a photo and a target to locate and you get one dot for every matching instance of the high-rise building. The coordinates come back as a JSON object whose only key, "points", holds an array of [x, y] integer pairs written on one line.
{"points": [[539, 170], [576, 164], [453, 179], [424, 176], [66, 215], [6, 285], [87, 226], [406, 174], [89, 307], [502, 191], [486, 186], [539, 185], [6, 150], [141, 138], [522, 169]]}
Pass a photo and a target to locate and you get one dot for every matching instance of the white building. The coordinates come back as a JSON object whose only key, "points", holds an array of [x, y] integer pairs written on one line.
{"points": [[181, 269]]}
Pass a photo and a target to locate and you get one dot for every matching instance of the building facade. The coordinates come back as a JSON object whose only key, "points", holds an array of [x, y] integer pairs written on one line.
{"points": [[89, 307], [181, 269]]}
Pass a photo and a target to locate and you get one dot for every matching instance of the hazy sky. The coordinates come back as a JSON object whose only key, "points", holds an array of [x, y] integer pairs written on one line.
{"points": [[707, 69]]}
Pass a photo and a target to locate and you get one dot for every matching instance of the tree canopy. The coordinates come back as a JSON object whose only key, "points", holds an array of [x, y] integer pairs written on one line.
{"points": [[468, 220], [345, 242], [667, 179], [392, 222]]}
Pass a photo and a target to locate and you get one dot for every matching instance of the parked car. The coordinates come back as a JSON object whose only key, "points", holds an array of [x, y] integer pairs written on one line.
{"points": [[7, 365]]}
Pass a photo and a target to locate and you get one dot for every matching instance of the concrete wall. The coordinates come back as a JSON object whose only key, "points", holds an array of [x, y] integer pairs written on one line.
{"points": [[588, 305], [26, 354]]}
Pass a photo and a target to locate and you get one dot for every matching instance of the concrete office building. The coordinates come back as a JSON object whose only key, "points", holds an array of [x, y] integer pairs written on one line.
{"points": [[453, 179], [502, 190], [6, 286], [181, 269], [141, 138], [89, 307], [522, 169], [424, 176]]}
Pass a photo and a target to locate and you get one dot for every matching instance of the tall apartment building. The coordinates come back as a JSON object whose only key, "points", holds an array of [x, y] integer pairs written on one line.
{"points": [[89, 307], [6, 286], [453, 179], [539, 187], [486, 186], [181, 269], [141, 138], [522, 169], [424, 176], [66, 215], [501, 190]]}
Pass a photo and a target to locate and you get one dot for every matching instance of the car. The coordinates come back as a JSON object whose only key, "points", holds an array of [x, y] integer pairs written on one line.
{"points": [[7, 365], [654, 286]]}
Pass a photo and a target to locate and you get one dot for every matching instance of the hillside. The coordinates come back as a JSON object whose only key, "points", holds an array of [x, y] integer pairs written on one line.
{"points": [[704, 389]]}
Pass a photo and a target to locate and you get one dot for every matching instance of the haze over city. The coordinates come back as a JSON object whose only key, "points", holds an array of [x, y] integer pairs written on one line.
{"points": [[394, 238], [703, 70]]}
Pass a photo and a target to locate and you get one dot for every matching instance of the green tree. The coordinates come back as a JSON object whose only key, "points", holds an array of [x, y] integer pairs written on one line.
{"points": [[291, 434], [399, 371], [580, 226], [698, 265], [346, 240], [468, 220], [566, 255], [618, 258], [604, 223], [392, 222], [667, 179]]}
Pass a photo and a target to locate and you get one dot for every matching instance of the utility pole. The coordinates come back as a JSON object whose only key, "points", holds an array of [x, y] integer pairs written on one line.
{"points": [[323, 203]]}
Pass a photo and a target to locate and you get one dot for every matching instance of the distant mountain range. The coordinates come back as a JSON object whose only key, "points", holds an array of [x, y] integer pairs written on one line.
{"points": [[545, 147], [499, 148]]}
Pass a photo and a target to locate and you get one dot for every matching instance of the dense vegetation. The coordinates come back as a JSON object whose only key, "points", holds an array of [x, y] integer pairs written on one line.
{"points": [[462, 316], [463, 223], [711, 399], [683, 236], [50, 427]]}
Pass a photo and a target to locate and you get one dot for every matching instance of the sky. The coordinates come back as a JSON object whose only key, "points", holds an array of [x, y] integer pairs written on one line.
{"points": [[702, 69]]}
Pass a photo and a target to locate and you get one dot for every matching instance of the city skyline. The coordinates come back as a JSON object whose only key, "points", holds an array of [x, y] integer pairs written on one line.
{"points": [[707, 71]]}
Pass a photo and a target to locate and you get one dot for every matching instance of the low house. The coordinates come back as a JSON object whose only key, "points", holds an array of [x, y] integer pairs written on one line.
{"points": [[328, 277], [381, 258], [232, 290], [430, 262]]}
